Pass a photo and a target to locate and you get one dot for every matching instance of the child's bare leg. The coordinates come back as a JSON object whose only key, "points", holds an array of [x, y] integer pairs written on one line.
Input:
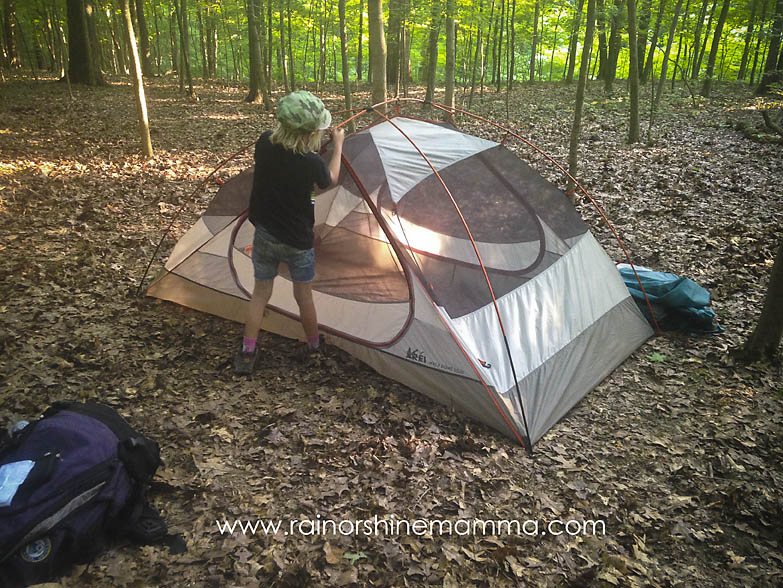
{"points": [[303, 294], [262, 291]]}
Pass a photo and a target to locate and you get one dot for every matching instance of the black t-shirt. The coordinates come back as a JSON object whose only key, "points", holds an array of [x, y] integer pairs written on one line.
{"points": [[282, 188]]}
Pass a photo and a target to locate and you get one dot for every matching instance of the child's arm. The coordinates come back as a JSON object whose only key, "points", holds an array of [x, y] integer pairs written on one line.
{"points": [[338, 136]]}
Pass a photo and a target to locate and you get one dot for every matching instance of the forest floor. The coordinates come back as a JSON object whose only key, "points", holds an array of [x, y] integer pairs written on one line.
{"points": [[679, 451]]}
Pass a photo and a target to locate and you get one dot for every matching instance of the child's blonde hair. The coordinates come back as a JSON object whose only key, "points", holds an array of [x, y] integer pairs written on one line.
{"points": [[295, 140]]}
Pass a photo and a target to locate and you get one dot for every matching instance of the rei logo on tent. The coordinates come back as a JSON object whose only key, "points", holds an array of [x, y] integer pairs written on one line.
{"points": [[416, 355]]}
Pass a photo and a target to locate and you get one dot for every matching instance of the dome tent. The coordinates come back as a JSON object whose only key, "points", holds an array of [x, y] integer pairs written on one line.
{"points": [[444, 262]]}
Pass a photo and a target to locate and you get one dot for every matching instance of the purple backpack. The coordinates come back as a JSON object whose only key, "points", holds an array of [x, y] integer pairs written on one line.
{"points": [[70, 483]]}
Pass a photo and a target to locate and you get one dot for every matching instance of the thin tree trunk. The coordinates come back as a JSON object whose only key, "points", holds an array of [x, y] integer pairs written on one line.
{"points": [[284, 54], [291, 67], [603, 56], [184, 44], [361, 34], [202, 41], [707, 32], [512, 48], [9, 26], [499, 57], [432, 52], [554, 44], [173, 37], [344, 60], [613, 52], [576, 127], [648, 66], [748, 40], [405, 65], [643, 28], [451, 52], [633, 74], [680, 41], [771, 64], [706, 88], [667, 52], [257, 92], [138, 83], [144, 39], [697, 36], [393, 37], [573, 41], [377, 50], [476, 58], [534, 41], [760, 36]]}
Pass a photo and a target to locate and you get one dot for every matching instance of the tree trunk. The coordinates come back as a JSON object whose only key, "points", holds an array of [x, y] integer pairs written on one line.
{"points": [[94, 46], [534, 42], [202, 41], [670, 40], [576, 127], [499, 56], [81, 65], [577, 24], [344, 59], [405, 65], [485, 54], [377, 50], [757, 51], [393, 37], [643, 28], [748, 40], [291, 68], [554, 44], [648, 67], [770, 67], [724, 12], [158, 56], [451, 53], [603, 57], [144, 40], [513, 47], [9, 27], [633, 74], [615, 43], [680, 43], [184, 44], [284, 54], [697, 37], [173, 37], [359, 42], [138, 82], [477, 58], [765, 339], [700, 52], [257, 91], [432, 52]]}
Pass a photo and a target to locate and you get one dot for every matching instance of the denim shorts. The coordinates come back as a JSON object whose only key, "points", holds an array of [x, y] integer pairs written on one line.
{"points": [[268, 252]]}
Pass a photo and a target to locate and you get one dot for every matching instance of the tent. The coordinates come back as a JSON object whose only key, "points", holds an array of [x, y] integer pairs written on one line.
{"points": [[444, 262]]}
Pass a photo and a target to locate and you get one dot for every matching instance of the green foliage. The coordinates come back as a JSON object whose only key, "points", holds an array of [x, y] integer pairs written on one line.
{"points": [[315, 36]]}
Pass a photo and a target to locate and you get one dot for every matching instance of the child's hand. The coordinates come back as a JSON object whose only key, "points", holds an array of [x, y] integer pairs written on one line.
{"points": [[338, 136]]}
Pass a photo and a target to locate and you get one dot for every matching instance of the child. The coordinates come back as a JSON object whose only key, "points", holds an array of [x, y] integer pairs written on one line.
{"points": [[286, 168]]}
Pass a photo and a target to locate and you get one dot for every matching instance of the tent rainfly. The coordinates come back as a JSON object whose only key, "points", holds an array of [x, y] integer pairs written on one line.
{"points": [[444, 262]]}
